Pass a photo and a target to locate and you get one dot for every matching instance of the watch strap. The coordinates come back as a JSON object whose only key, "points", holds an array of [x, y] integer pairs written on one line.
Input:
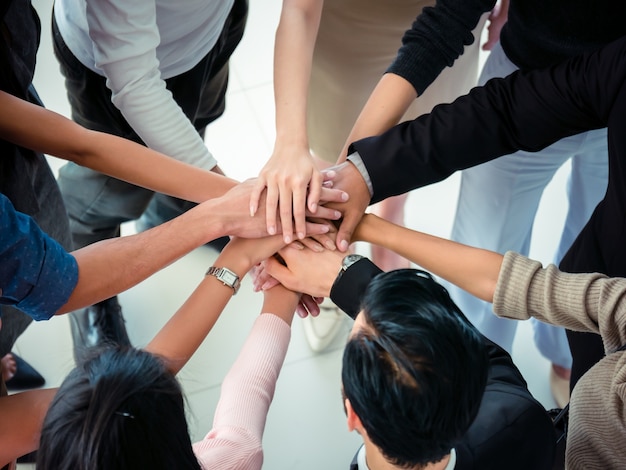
{"points": [[349, 286]]}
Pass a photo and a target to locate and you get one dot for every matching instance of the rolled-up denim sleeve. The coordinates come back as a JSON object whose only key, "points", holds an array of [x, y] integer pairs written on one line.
{"points": [[37, 275]]}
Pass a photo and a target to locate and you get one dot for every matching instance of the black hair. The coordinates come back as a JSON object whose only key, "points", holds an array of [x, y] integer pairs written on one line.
{"points": [[416, 371], [121, 409]]}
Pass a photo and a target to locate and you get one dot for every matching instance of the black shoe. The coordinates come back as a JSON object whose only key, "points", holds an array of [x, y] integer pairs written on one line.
{"points": [[219, 243], [25, 376], [96, 326]]}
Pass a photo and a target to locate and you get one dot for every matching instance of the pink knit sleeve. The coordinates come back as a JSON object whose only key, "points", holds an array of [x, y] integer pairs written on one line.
{"points": [[247, 391]]}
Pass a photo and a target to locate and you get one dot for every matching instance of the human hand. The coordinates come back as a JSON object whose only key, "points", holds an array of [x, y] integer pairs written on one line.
{"points": [[497, 19], [242, 254], [346, 177], [233, 210], [307, 305], [306, 271], [293, 184]]}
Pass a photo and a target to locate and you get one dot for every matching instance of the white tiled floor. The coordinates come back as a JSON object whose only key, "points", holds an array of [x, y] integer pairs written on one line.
{"points": [[305, 427]]}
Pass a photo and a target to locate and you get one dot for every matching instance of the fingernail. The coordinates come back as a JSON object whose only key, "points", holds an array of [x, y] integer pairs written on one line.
{"points": [[300, 235], [343, 245], [271, 230], [313, 207], [302, 314], [287, 239], [265, 286], [337, 215], [345, 196], [251, 211], [330, 245], [331, 173], [318, 248]]}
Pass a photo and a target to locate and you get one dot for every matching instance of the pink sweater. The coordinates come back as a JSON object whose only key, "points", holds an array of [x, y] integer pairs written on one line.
{"points": [[247, 391]]}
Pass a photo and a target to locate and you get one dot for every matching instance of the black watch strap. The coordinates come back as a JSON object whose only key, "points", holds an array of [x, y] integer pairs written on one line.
{"points": [[348, 289]]}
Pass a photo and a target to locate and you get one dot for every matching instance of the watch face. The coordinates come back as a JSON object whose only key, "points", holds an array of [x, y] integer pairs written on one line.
{"points": [[349, 260], [229, 277]]}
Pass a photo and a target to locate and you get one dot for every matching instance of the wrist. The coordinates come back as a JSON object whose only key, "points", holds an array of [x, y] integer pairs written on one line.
{"points": [[236, 262]]}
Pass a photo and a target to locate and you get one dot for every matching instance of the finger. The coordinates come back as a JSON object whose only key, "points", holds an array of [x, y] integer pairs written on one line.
{"points": [[324, 240], [281, 274], [271, 282], [327, 213], [313, 244], [315, 191], [299, 209], [315, 228], [255, 196], [271, 205], [328, 174], [310, 304], [301, 310], [346, 229], [333, 195], [285, 205], [260, 276]]}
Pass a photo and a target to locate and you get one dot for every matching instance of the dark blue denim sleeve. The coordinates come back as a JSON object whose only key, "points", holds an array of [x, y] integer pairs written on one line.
{"points": [[37, 275]]}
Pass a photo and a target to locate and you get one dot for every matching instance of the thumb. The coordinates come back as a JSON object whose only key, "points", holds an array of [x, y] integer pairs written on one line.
{"points": [[346, 229]]}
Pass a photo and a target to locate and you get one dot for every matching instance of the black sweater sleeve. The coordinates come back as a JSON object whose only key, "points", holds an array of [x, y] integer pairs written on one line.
{"points": [[524, 111], [436, 39]]}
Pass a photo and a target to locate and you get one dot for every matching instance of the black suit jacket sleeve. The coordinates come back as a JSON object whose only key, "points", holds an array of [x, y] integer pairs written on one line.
{"points": [[349, 287], [524, 111]]}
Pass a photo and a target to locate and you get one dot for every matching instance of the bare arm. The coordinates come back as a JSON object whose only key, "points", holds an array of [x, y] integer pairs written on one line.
{"points": [[185, 331], [22, 419], [472, 269], [45, 131], [291, 169], [386, 105]]}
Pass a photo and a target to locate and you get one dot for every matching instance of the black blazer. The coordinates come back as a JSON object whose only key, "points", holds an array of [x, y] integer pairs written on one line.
{"points": [[512, 430]]}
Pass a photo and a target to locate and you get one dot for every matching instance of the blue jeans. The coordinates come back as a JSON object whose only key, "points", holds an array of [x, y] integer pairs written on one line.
{"points": [[497, 204]]}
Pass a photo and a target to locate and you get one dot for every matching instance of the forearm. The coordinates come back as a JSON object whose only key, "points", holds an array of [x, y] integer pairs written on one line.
{"points": [[385, 107], [185, 331], [22, 419], [44, 131], [125, 37], [280, 302], [524, 111], [293, 55], [112, 266], [436, 39], [472, 269]]}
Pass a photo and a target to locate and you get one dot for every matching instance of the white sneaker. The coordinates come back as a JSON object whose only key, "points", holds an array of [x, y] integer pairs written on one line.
{"points": [[321, 330]]}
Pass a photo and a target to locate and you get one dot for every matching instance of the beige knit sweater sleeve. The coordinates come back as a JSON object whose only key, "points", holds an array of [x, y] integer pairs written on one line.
{"points": [[580, 302]]}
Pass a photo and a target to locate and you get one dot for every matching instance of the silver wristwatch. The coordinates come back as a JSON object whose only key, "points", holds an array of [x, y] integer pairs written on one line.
{"points": [[348, 261], [226, 276]]}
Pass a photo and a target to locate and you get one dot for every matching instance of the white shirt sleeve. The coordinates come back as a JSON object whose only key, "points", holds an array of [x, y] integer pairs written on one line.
{"points": [[125, 37]]}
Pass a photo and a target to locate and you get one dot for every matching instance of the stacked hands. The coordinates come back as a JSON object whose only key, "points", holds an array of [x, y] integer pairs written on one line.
{"points": [[338, 194]]}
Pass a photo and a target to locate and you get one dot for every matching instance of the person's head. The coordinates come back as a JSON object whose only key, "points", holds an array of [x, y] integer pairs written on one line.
{"points": [[121, 409], [414, 369]]}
